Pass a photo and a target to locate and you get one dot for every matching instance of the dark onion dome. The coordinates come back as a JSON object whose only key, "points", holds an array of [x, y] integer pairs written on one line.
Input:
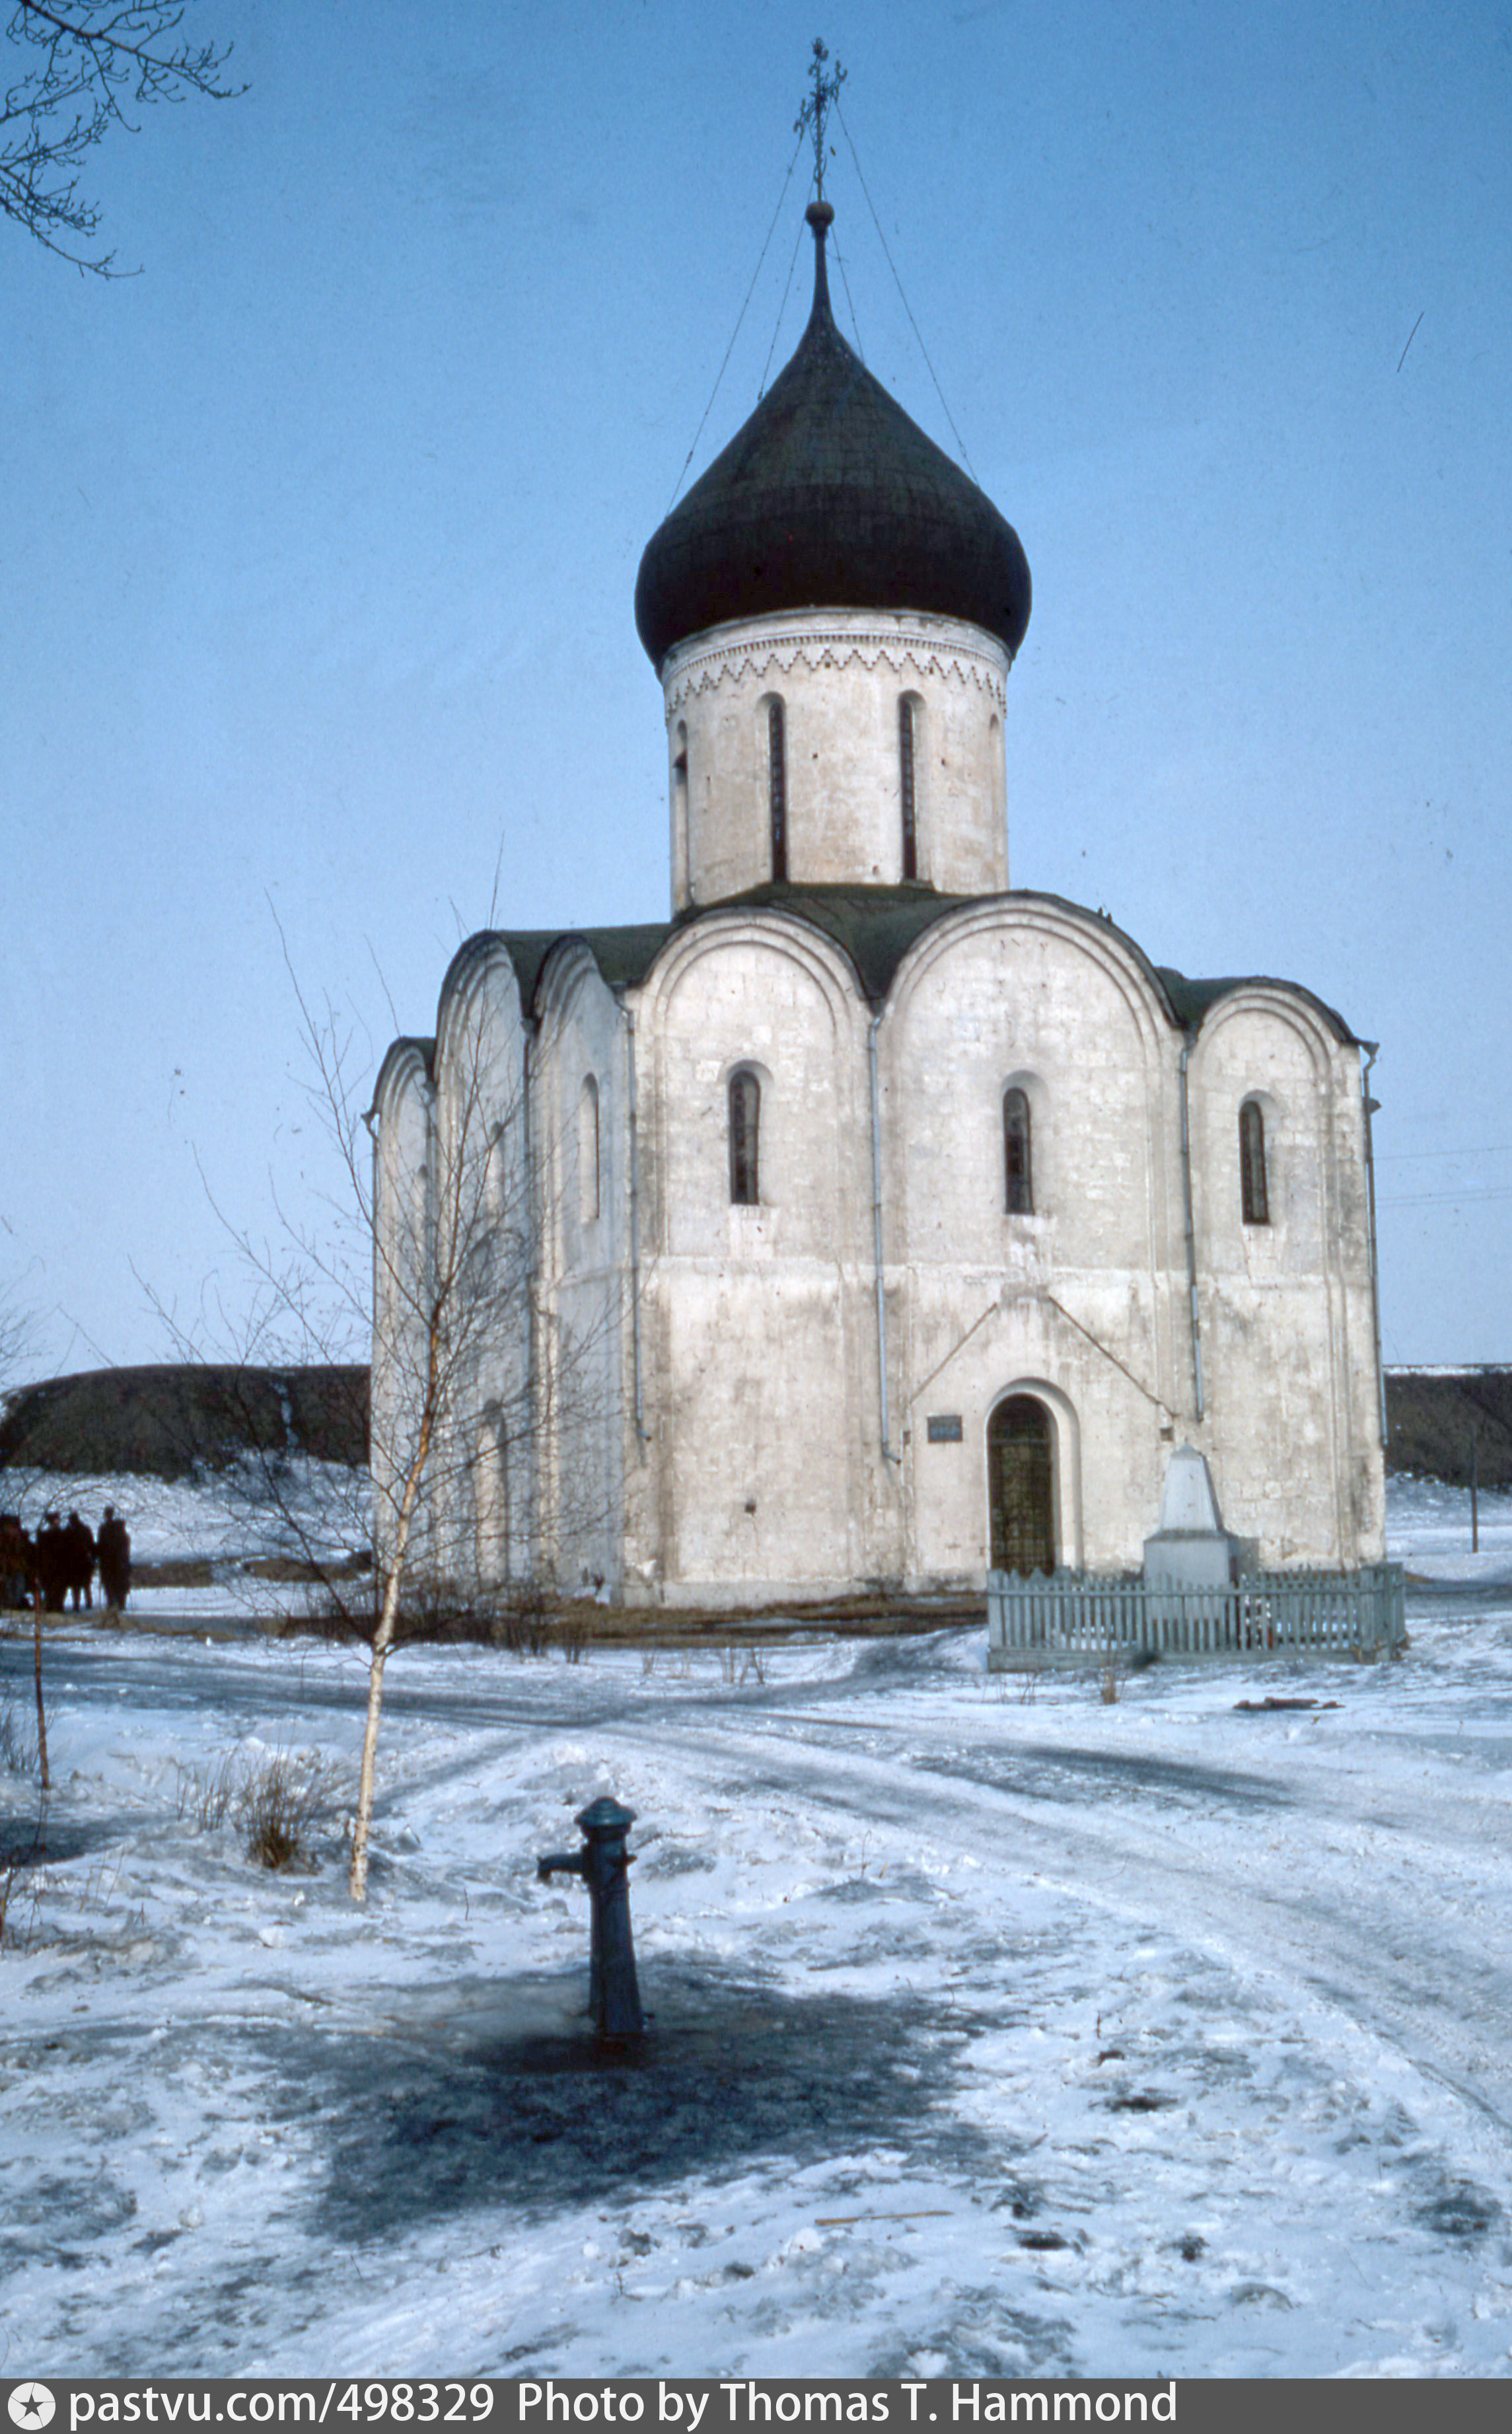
{"points": [[830, 497]]}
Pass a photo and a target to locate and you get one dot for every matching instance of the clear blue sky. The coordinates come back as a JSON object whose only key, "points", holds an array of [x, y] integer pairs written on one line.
{"points": [[320, 537]]}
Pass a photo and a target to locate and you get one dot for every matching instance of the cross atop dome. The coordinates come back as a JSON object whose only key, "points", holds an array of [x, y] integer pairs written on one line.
{"points": [[816, 109]]}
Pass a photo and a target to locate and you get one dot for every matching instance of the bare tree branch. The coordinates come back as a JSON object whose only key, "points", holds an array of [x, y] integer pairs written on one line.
{"points": [[89, 62], [18, 1334]]}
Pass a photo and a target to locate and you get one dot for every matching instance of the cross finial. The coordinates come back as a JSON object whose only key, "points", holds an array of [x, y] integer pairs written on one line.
{"points": [[817, 107]]}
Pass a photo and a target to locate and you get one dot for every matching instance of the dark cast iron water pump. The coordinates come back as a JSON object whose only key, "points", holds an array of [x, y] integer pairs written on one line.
{"points": [[603, 1863]]}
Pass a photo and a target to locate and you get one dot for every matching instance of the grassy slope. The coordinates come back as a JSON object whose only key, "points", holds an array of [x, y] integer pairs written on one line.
{"points": [[160, 1422], [1433, 1419]]}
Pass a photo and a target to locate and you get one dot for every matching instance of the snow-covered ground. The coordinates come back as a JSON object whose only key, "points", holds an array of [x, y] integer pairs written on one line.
{"points": [[1431, 1529], [995, 2029]]}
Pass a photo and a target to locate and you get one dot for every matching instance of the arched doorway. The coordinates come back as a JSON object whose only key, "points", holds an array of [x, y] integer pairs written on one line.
{"points": [[1021, 1486]]}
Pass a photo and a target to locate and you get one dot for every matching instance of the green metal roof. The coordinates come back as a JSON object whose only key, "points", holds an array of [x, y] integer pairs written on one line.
{"points": [[1191, 998], [874, 927], [625, 957]]}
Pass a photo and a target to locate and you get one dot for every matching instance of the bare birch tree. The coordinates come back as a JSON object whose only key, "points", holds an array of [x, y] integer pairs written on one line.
{"points": [[486, 1412], [495, 1411], [454, 1279]]}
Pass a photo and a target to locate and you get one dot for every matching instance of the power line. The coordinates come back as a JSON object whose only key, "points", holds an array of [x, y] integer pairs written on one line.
{"points": [[1444, 1199], [1487, 1149], [740, 317], [776, 327], [906, 306], [850, 300]]}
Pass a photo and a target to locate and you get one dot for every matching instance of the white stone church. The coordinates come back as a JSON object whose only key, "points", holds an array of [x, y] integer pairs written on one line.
{"points": [[869, 1221]]}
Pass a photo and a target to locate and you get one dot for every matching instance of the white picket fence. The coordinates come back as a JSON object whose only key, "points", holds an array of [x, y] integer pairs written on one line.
{"points": [[1085, 1618]]}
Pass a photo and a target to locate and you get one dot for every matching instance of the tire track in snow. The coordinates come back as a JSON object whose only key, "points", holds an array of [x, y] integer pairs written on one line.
{"points": [[1364, 1929], [1362, 1923]]}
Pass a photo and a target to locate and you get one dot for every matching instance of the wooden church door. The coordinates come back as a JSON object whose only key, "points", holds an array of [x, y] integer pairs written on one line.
{"points": [[1021, 1486]]}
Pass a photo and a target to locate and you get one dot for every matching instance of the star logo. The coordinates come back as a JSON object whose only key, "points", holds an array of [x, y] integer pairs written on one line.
{"points": [[31, 2403]]}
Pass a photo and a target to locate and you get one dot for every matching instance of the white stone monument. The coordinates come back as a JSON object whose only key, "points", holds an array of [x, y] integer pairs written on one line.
{"points": [[1191, 1549]]}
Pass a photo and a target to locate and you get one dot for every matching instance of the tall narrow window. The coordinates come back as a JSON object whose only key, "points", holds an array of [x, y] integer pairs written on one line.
{"points": [[1252, 1188], [587, 1151], [905, 786], [745, 1128], [778, 785], [1017, 1155]]}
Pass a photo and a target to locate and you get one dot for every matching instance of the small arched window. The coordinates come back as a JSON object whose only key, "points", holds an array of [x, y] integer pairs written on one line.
{"points": [[587, 1151], [778, 784], [745, 1136], [1018, 1163], [907, 784], [1253, 1190]]}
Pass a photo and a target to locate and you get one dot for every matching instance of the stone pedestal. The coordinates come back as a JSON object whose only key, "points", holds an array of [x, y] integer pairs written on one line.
{"points": [[1190, 1551]]}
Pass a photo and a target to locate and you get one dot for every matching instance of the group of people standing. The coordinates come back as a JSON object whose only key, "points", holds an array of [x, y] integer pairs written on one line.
{"points": [[61, 1561]]}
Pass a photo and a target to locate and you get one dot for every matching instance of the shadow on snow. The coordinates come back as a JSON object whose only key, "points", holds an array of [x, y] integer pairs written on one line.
{"points": [[497, 2096]]}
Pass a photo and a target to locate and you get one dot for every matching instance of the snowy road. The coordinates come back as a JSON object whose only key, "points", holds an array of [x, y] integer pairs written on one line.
{"points": [[997, 2030], [1392, 1910]]}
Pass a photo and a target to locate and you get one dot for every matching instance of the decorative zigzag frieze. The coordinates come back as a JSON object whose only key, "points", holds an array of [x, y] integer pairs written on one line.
{"points": [[706, 671]]}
